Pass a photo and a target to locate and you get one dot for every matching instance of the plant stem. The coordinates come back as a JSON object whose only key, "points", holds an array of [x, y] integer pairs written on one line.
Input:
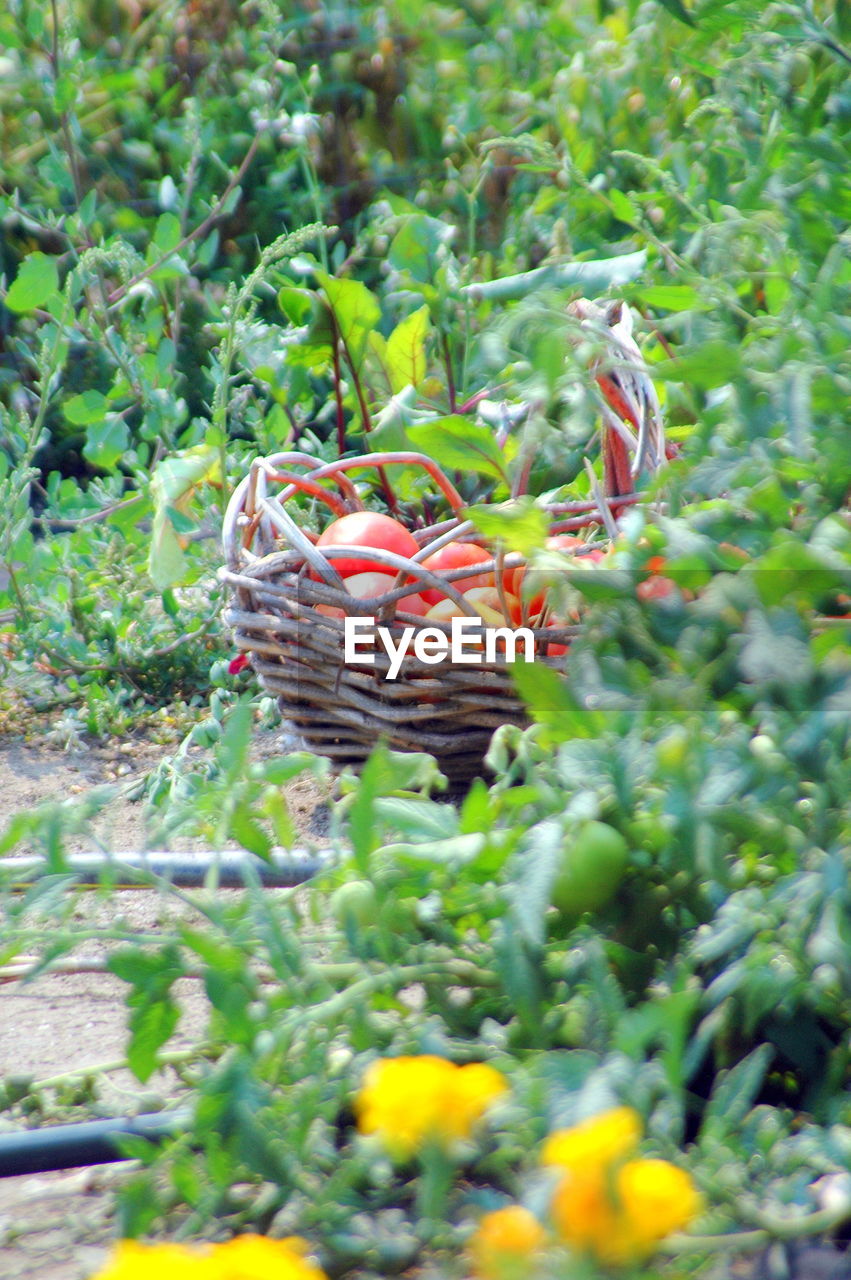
{"points": [[215, 212], [338, 390], [174, 1058]]}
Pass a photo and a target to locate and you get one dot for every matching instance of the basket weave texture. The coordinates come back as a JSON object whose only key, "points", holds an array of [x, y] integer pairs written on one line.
{"points": [[280, 583]]}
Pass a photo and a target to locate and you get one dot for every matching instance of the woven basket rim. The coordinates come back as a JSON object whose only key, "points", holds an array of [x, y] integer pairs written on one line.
{"points": [[280, 582]]}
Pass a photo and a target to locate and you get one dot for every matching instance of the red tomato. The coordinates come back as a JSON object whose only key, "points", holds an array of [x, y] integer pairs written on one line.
{"points": [[554, 649], [656, 588], [535, 592], [368, 585], [457, 555], [366, 529]]}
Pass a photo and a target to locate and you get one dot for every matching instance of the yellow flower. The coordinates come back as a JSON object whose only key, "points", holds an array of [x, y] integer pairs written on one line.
{"points": [[247, 1257], [595, 1143], [251, 1257], [621, 1215], [657, 1198], [505, 1244], [410, 1101], [134, 1261]]}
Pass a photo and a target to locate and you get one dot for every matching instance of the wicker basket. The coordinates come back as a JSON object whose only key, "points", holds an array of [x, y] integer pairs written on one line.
{"points": [[276, 615]]}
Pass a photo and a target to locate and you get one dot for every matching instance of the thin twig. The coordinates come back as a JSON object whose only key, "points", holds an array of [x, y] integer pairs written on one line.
{"points": [[122, 290]]}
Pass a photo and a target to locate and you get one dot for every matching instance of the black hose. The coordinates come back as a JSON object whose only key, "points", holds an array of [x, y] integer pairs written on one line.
{"points": [[186, 870], [67, 1146]]}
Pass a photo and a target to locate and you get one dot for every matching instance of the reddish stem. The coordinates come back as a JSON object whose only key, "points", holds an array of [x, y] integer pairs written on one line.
{"points": [[616, 472], [470, 404], [403, 458], [338, 378], [303, 485]]}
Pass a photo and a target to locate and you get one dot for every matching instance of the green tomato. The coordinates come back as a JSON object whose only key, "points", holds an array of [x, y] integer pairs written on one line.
{"points": [[355, 903], [592, 866]]}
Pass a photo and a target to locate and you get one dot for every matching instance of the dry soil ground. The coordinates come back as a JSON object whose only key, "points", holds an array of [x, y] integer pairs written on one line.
{"points": [[57, 1226]]}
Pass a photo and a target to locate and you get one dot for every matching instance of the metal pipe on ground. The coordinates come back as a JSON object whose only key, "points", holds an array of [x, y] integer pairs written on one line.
{"points": [[69, 1146], [185, 870]]}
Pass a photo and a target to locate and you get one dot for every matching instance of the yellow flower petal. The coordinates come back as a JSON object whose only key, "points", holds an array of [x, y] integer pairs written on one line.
{"points": [[622, 1216], [657, 1198], [134, 1261], [583, 1211], [409, 1101], [600, 1141], [505, 1244], [247, 1257], [252, 1257]]}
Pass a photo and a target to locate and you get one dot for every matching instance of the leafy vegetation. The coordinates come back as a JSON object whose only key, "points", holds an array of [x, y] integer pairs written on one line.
{"points": [[230, 230]]}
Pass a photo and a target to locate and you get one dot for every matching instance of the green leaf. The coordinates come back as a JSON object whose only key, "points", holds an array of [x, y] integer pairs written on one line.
{"points": [[154, 1014], [674, 297], [37, 281], [106, 442], [791, 568], [167, 235], [419, 819], [520, 523], [281, 769], [172, 485], [298, 305], [535, 871], [90, 406], [416, 247], [248, 832], [455, 442], [734, 1092], [712, 365], [553, 705], [356, 312], [404, 353], [151, 1026], [236, 741], [624, 207], [678, 10], [594, 276], [166, 561], [362, 825]]}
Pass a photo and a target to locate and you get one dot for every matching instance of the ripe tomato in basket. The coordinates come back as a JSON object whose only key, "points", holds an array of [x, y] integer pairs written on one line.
{"points": [[457, 555], [366, 586], [366, 529]]}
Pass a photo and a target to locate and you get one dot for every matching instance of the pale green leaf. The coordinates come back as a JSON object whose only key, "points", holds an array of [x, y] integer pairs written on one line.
{"points": [[90, 406], [458, 444], [404, 354], [106, 441], [36, 281]]}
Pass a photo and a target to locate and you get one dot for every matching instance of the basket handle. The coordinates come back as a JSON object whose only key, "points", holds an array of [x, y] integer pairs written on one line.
{"points": [[402, 458]]}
